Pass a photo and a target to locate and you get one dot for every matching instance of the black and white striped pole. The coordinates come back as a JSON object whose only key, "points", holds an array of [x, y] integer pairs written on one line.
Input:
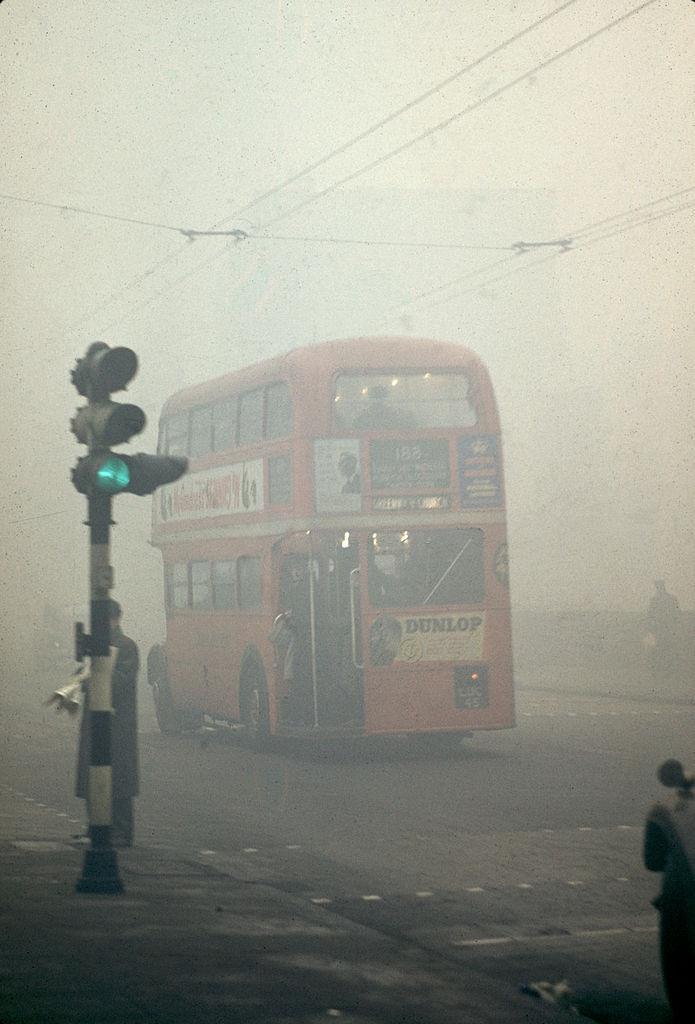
{"points": [[99, 475], [100, 867]]}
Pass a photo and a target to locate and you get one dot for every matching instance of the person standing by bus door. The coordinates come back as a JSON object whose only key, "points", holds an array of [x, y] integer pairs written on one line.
{"points": [[124, 736]]}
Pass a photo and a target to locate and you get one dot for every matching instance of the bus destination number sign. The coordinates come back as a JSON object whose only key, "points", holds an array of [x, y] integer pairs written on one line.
{"points": [[410, 465]]}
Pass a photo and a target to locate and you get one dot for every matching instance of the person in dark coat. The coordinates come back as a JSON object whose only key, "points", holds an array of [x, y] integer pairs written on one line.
{"points": [[664, 623], [124, 742]]}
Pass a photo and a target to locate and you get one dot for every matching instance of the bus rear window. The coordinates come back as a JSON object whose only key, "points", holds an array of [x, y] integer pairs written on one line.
{"points": [[433, 567], [409, 401]]}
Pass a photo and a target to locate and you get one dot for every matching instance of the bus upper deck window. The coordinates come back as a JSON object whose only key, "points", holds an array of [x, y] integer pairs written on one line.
{"points": [[177, 434], [251, 416], [278, 416], [201, 432], [224, 424]]}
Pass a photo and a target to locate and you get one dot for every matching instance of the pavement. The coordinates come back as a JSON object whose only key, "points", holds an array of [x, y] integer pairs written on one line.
{"points": [[184, 942]]}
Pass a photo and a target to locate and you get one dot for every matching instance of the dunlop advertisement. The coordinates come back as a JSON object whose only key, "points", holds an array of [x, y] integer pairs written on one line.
{"points": [[407, 638]]}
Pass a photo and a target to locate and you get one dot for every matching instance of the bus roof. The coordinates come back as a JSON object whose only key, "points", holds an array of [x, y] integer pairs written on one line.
{"points": [[363, 353]]}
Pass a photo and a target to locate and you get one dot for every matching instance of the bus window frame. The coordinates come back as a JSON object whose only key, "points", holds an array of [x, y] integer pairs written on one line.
{"points": [[196, 412], [231, 400], [184, 416], [471, 398]]}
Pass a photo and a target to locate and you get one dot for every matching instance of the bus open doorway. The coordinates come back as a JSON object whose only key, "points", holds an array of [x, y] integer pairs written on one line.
{"points": [[317, 634]]}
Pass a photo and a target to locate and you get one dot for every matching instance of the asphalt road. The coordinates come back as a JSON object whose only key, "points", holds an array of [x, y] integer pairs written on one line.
{"points": [[519, 853]]}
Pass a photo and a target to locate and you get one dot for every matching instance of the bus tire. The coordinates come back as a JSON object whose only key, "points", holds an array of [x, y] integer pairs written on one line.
{"points": [[677, 939], [168, 718], [253, 703]]}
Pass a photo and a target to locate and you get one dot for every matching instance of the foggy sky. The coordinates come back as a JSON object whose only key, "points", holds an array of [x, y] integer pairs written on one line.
{"points": [[181, 113]]}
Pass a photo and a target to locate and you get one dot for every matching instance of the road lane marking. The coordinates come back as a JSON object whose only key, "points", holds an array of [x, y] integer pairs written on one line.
{"points": [[497, 941], [589, 933], [582, 933]]}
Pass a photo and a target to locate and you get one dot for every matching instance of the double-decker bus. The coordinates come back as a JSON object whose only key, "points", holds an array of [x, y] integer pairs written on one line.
{"points": [[335, 560]]}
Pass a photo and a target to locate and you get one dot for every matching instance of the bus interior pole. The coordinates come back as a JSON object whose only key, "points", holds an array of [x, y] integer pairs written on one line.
{"points": [[100, 867], [312, 626]]}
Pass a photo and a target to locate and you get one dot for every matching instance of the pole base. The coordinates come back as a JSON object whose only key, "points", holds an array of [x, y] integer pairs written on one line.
{"points": [[99, 872]]}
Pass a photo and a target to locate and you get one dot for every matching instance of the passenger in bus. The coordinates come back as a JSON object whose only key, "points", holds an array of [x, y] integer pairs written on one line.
{"points": [[381, 414], [295, 602]]}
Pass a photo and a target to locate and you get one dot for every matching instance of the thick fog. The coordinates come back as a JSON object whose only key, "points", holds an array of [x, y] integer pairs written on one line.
{"points": [[123, 122]]}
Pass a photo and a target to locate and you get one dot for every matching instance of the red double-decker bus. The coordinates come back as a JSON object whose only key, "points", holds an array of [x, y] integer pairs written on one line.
{"points": [[335, 560]]}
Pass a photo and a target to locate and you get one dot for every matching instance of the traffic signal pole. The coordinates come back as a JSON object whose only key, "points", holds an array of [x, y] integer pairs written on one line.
{"points": [[100, 867], [102, 473]]}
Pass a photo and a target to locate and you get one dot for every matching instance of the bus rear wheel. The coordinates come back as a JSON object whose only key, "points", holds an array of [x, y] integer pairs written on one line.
{"points": [[253, 708], [168, 718]]}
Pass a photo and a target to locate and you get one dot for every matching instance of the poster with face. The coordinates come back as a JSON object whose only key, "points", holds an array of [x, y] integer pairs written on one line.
{"points": [[337, 475]]}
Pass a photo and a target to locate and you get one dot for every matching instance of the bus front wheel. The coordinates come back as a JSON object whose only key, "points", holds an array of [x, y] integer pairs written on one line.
{"points": [[253, 707]]}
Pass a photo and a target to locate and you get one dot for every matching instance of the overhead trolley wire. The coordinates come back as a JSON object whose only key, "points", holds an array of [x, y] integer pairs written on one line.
{"points": [[461, 113], [323, 160], [543, 64], [570, 237], [397, 113], [90, 213]]}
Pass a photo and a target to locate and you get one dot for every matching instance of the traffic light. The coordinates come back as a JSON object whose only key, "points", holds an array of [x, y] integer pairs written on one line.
{"points": [[103, 423], [114, 473]]}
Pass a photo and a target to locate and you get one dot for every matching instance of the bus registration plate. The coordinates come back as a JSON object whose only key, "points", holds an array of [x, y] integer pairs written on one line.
{"points": [[470, 688]]}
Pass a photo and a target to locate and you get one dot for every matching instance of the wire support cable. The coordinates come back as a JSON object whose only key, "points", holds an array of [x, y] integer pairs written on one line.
{"points": [[619, 230], [572, 238]]}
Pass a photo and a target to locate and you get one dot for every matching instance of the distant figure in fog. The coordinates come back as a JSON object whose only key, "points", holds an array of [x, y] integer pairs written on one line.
{"points": [[124, 740], [664, 624]]}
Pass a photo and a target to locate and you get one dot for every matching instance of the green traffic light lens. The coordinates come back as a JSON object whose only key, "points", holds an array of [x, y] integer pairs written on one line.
{"points": [[112, 476]]}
